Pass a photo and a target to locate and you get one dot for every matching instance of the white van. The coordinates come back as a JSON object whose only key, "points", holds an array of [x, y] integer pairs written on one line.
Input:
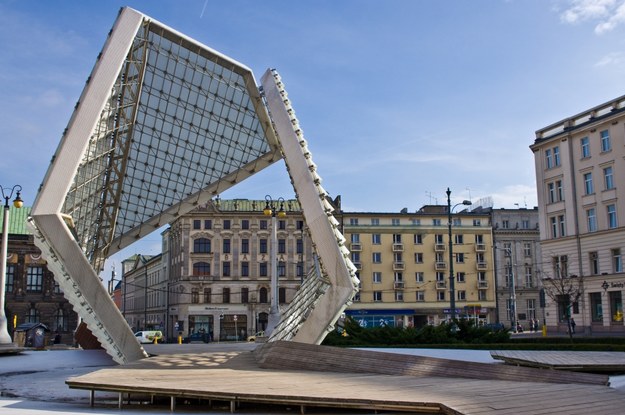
{"points": [[148, 336]]}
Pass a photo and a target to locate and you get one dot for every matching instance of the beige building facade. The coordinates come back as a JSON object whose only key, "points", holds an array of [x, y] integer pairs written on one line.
{"points": [[220, 269], [404, 266], [580, 166]]}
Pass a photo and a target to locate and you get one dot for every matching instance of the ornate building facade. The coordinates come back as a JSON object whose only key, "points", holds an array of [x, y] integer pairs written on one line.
{"points": [[32, 294]]}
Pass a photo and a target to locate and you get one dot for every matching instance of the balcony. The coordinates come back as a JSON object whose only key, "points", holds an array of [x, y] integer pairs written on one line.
{"points": [[356, 247], [358, 265], [482, 266], [399, 266], [439, 247], [399, 285], [480, 247], [398, 247], [482, 285], [441, 285], [440, 265]]}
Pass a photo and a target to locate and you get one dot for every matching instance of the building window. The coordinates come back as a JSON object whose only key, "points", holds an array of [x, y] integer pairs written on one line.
{"points": [[562, 224], [560, 266], [419, 276], [226, 269], [396, 238], [591, 219], [438, 238], [617, 262], [207, 296], [225, 295], [457, 222], [377, 296], [353, 221], [605, 141], [477, 222], [299, 225], [399, 296], [245, 246], [505, 224], [34, 279], [60, 320], [226, 246], [588, 187], [460, 277], [202, 246], [395, 222], [299, 246], [551, 191], [300, 269], [263, 297], [554, 227], [440, 295], [482, 295], [608, 178], [32, 316], [529, 278], [556, 156], [208, 224], [436, 222], [418, 239], [355, 238], [245, 269], [616, 307], [559, 190], [245, 224], [596, 309], [245, 295], [548, 158], [201, 269], [416, 222], [377, 277], [527, 249], [262, 269], [356, 257], [376, 257], [281, 269], [418, 257], [440, 276], [262, 246], [508, 274], [227, 223], [195, 296], [263, 224], [399, 277], [594, 263], [525, 224], [282, 225], [10, 279], [459, 258], [420, 296], [458, 239], [462, 295], [585, 144], [281, 246], [376, 239], [375, 222], [612, 222], [197, 224], [531, 308]]}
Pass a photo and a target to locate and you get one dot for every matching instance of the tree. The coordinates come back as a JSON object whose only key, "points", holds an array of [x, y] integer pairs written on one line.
{"points": [[564, 290]]}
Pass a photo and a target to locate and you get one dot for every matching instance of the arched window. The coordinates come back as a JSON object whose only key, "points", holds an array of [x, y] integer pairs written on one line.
{"points": [[201, 269], [202, 245], [263, 295]]}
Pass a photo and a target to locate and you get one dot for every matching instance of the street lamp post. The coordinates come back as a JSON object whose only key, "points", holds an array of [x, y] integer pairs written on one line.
{"points": [[512, 291], [452, 282], [5, 338], [270, 209]]}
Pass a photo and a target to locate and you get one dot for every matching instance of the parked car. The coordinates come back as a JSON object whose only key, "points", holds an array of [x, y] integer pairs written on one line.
{"points": [[197, 337], [252, 338], [148, 336]]}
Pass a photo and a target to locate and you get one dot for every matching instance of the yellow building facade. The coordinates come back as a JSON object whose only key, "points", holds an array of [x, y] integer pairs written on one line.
{"points": [[403, 262]]}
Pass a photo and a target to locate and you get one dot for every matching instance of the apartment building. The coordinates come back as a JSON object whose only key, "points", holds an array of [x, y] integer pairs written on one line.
{"points": [[580, 164], [518, 267], [219, 266], [403, 262]]}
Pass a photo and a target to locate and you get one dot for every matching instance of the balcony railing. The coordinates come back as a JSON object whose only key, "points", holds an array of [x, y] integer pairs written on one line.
{"points": [[482, 265], [480, 247], [356, 247], [482, 285], [399, 266], [441, 285], [399, 285], [439, 247], [440, 265], [398, 247]]}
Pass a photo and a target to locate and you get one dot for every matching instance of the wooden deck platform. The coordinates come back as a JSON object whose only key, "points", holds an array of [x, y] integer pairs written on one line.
{"points": [[244, 377], [594, 362]]}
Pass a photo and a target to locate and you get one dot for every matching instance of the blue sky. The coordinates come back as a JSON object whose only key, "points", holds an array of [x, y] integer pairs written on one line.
{"points": [[398, 99]]}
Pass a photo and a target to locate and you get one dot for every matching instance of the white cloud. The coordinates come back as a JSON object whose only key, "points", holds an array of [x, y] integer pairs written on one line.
{"points": [[609, 13], [614, 58]]}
